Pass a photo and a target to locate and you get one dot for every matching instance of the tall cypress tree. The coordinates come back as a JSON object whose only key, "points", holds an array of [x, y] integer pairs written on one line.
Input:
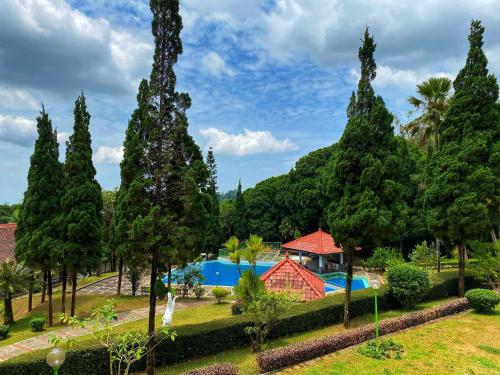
{"points": [[37, 235], [81, 201], [131, 200], [367, 204], [463, 177], [213, 233], [240, 215], [172, 229]]}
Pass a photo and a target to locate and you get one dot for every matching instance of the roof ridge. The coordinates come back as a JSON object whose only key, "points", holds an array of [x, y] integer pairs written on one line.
{"points": [[300, 269]]}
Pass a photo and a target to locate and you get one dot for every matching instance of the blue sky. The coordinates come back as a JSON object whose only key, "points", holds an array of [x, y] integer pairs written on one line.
{"points": [[269, 79]]}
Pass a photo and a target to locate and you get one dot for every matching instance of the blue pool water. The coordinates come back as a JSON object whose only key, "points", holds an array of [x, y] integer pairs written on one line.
{"points": [[224, 273]]}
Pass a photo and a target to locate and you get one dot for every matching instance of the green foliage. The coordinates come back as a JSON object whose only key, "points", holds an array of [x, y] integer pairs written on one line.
{"points": [[383, 257], [423, 255], [382, 349], [486, 265], [237, 307], [240, 220], [134, 276], [249, 287], [483, 300], [14, 277], [226, 217], [37, 324], [253, 247], [4, 331], [222, 334], [220, 293], [264, 313], [232, 245], [108, 208], [9, 213], [81, 202], [199, 291], [187, 277], [213, 230], [38, 232], [408, 283]]}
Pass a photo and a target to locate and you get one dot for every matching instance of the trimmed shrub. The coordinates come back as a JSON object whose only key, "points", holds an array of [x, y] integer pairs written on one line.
{"points": [[36, 324], [290, 355], [227, 333], [199, 291], [483, 300], [381, 349], [220, 293], [237, 307], [408, 283], [4, 331], [218, 369]]}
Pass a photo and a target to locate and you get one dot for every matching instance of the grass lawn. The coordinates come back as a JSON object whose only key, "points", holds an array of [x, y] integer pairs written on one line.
{"points": [[465, 344], [245, 359]]}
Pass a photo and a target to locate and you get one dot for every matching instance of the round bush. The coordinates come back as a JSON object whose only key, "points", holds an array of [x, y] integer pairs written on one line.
{"points": [[483, 300], [220, 293], [36, 324], [237, 307], [408, 283], [4, 332]]}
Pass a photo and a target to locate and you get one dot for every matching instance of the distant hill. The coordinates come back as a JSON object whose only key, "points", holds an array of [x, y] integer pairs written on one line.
{"points": [[231, 194]]}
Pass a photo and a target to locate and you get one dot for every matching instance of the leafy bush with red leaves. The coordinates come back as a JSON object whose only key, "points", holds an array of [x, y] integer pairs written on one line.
{"points": [[218, 369], [302, 351]]}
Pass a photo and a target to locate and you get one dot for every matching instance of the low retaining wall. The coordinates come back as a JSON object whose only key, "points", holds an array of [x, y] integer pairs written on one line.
{"points": [[286, 356]]}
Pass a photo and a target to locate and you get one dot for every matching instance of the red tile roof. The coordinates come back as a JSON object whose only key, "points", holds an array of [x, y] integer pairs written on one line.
{"points": [[288, 274], [7, 241], [319, 242]]}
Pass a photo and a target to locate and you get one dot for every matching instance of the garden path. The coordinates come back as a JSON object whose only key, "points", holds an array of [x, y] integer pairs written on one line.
{"points": [[42, 341]]}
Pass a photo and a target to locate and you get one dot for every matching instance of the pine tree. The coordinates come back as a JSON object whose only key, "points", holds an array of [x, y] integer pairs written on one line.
{"points": [[240, 215], [213, 233], [81, 202], [367, 204], [172, 230], [463, 177], [131, 200], [37, 234]]}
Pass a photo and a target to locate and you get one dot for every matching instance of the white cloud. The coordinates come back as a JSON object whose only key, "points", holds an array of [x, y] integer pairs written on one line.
{"points": [[109, 155], [14, 98], [62, 137], [250, 142], [17, 130], [215, 65]]}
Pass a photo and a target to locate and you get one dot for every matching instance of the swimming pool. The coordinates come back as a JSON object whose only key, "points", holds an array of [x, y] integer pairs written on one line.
{"points": [[222, 272]]}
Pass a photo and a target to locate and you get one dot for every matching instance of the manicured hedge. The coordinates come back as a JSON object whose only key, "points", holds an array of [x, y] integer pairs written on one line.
{"points": [[219, 369], [276, 359], [223, 334]]}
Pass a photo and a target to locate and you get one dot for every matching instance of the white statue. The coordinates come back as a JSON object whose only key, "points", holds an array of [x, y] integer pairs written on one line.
{"points": [[169, 311]]}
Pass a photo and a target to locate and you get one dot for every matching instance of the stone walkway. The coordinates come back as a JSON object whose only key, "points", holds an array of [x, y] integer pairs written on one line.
{"points": [[42, 341], [107, 287]]}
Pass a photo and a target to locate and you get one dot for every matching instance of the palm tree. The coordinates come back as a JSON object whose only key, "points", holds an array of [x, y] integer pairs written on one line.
{"points": [[432, 104], [14, 277], [253, 246], [232, 245]]}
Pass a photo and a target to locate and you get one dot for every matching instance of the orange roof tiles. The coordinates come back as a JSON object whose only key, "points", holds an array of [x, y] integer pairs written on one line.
{"points": [[288, 274], [319, 242], [7, 241]]}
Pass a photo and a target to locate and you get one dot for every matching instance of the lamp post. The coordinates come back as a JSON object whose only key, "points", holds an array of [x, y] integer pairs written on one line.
{"points": [[217, 278], [55, 358], [375, 284]]}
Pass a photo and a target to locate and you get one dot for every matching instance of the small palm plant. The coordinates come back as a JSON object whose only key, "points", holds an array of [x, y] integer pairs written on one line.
{"points": [[232, 245], [14, 277], [253, 247]]}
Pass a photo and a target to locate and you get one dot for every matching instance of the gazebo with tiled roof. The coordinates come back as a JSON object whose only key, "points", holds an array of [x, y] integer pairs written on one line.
{"points": [[319, 243], [290, 275]]}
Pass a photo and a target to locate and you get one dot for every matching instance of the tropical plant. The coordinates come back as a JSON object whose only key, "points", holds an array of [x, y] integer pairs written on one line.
{"points": [[253, 247], [424, 255], [383, 257], [431, 105], [264, 313], [14, 277], [249, 287], [232, 245]]}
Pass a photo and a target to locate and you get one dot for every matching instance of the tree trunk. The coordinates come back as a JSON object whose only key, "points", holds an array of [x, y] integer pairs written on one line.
{"points": [[49, 293], [169, 277], [8, 315], [44, 286], [348, 287], [63, 290], [493, 236], [150, 366], [438, 251], [461, 270], [120, 276], [73, 292], [112, 261], [30, 291], [98, 270]]}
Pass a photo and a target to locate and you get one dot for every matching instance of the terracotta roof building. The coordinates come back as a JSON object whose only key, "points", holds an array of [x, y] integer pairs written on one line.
{"points": [[7, 241], [289, 275], [320, 243]]}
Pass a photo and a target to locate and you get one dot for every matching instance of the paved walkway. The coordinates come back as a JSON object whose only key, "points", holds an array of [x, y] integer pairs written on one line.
{"points": [[42, 341], [108, 286]]}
